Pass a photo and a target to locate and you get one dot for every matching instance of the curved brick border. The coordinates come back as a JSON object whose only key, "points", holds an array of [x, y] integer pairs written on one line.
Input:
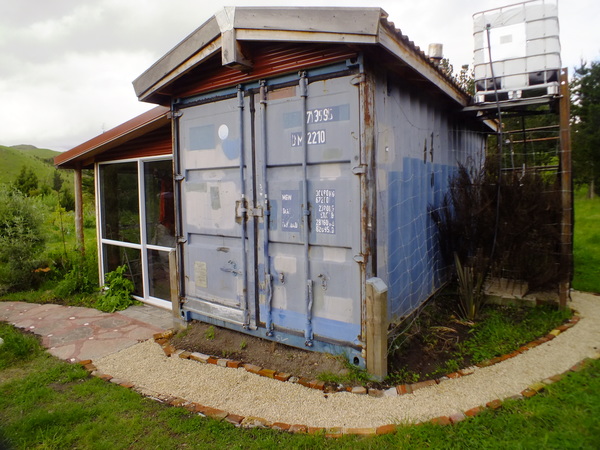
{"points": [[331, 432], [163, 339]]}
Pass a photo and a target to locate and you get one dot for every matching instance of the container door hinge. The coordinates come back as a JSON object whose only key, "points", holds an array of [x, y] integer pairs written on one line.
{"points": [[179, 177], [359, 170], [181, 240]]}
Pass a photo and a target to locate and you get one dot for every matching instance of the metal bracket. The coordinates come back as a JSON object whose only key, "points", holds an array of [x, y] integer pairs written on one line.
{"points": [[181, 240], [359, 170], [179, 177], [255, 212], [174, 114], [360, 258]]}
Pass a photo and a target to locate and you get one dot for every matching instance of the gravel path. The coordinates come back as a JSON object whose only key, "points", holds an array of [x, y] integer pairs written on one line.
{"points": [[239, 392]]}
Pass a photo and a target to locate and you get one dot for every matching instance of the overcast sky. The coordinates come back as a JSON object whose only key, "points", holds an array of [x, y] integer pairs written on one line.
{"points": [[66, 66]]}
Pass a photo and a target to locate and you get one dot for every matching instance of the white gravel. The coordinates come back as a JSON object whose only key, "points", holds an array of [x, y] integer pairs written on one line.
{"points": [[239, 392]]}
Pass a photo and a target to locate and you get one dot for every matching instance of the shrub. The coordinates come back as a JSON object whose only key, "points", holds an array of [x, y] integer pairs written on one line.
{"points": [[21, 240], [81, 278], [117, 294]]}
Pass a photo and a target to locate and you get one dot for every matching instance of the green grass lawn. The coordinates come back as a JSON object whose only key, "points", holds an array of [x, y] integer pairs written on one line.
{"points": [[50, 404], [586, 243]]}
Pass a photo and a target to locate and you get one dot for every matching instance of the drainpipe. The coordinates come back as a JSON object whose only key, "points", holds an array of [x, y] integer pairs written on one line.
{"points": [[308, 294]]}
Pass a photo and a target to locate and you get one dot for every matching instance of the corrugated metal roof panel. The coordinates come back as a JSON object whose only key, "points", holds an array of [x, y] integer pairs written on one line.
{"points": [[138, 126], [270, 60]]}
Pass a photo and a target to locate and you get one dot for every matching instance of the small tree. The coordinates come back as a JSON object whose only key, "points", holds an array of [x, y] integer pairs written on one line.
{"points": [[27, 181], [21, 239], [585, 108]]}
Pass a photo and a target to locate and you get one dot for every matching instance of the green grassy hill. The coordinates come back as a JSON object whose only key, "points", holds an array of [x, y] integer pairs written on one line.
{"points": [[40, 160]]}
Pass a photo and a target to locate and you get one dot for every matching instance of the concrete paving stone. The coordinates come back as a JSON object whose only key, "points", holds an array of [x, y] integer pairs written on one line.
{"points": [[112, 322], [65, 352]]}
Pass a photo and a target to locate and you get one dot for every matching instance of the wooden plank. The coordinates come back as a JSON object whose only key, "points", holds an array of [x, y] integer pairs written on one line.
{"points": [[376, 324]]}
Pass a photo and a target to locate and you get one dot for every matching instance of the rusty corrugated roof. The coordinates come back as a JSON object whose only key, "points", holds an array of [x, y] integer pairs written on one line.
{"points": [[227, 31], [82, 155]]}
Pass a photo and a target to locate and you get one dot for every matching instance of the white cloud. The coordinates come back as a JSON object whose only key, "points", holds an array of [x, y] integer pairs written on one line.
{"points": [[67, 65]]}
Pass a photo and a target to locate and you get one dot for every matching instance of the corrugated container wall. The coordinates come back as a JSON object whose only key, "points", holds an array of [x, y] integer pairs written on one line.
{"points": [[419, 146]]}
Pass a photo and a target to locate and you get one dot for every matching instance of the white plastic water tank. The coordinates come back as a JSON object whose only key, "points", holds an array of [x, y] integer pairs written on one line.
{"points": [[525, 50]]}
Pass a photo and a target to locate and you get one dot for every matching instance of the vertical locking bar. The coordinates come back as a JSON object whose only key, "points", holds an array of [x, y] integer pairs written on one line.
{"points": [[308, 332], [243, 296], [267, 288]]}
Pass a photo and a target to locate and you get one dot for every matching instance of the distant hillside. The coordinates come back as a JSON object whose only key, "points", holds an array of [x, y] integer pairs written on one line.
{"points": [[40, 160]]}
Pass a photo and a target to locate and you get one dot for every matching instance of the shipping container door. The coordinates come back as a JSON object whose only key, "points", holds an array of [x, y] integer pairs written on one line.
{"points": [[215, 252], [313, 289]]}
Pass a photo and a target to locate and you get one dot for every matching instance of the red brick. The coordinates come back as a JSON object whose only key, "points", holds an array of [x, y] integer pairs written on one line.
{"points": [[106, 377], [549, 337], [304, 382], [234, 419], [85, 362], [556, 377], [494, 404], [315, 430], [361, 390], [473, 411], [185, 355], [575, 319], [495, 360], [90, 367], [127, 385], [387, 429], [177, 402], [361, 431], [267, 373], [334, 432], [423, 384], [562, 328], [169, 349], [252, 368], [281, 376], [376, 393], [161, 341], [442, 420], [212, 360], [214, 413], [528, 393], [281, 426], [457, 417], [234, 364], [316, 384], [163, 335], [453, 375], [298, 428], [577, 367]]}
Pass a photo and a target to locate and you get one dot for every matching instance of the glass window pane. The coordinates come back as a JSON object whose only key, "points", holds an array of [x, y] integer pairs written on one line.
{"points": [[158, 274], [120, 202], [115, 256], [160, 210]]}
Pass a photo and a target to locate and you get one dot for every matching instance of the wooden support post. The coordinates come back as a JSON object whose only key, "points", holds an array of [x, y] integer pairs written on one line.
{"points": [[376, 328], [566, 183], [79, 237], [178, 322]]}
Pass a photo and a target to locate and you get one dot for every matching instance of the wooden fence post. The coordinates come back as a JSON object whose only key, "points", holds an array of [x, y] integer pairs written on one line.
{"points": [[376, 328], [178, 322]]}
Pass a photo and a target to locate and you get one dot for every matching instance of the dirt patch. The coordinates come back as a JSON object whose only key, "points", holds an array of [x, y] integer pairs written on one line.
{"points": [[426, 346], [224, 343]]}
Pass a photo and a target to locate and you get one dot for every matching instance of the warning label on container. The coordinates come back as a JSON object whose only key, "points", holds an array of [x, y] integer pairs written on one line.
{"points": [[324, 211], [200, 276]]}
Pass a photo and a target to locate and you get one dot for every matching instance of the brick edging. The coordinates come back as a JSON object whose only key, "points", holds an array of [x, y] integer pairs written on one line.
{"points": [[330, 432], [163, 339]]}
